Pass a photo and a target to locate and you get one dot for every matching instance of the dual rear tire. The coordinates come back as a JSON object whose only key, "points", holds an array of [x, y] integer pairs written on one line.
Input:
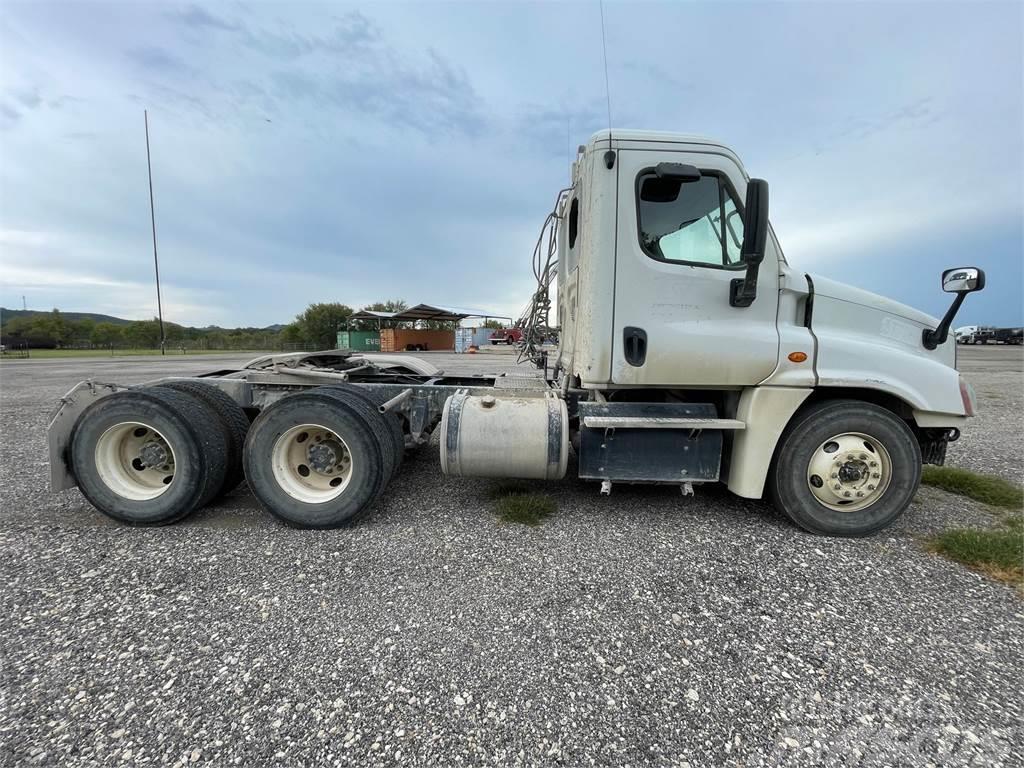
{"points": [[315, 459], [152, 456], [321, 458]]}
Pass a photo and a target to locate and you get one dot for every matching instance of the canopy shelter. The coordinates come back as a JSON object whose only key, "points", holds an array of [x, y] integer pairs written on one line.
{"points": [[420, 312]]}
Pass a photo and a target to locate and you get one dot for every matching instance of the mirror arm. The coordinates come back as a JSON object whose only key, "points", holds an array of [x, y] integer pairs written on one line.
{"points": [[932, 338], [743, 290]]}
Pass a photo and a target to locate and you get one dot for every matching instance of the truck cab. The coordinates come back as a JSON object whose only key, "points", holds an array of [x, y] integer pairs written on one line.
{"points": [[658, 303]]}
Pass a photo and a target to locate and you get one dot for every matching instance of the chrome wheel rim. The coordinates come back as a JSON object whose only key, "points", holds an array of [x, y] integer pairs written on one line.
{"points": [[311, 463], [135, 461], [849, 472]]}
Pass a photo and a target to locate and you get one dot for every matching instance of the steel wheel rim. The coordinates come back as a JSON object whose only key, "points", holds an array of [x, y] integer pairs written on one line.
{"points": [[849, 472], [312, 463], [135, 461]]}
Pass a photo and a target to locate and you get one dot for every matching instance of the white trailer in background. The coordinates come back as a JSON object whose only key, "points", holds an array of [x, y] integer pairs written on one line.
{"points": [[689, 352]]}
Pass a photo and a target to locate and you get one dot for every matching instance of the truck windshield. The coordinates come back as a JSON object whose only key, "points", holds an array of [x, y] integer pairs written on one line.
{"points": [[684, 221]]}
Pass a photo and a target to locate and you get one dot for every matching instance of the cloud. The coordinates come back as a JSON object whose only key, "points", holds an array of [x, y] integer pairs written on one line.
{"points": [[199, 18], [157, 59], [303, 153]]}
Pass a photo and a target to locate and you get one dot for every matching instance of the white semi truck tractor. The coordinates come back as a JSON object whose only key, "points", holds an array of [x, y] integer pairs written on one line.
{"points": [[689, 352]]}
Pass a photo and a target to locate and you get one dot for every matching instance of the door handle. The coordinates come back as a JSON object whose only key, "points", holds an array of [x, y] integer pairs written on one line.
{"points": [[634, 345]]}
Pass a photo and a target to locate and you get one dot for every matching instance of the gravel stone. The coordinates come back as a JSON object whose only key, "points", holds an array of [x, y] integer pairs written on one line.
{"points": [[643, 628]]}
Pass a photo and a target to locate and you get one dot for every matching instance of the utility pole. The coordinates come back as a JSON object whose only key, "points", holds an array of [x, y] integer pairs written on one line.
{"points": [[152, 220], [24, 306]]}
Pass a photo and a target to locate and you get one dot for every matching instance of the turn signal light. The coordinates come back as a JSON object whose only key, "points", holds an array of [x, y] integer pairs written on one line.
{"points": [[797, 357]]}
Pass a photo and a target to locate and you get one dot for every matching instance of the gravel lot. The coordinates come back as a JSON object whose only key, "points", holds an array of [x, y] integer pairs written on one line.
{"points": [[644, 628]]}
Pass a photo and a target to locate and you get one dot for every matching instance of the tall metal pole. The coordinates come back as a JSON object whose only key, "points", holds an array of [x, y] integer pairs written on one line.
{"points": [[152, 220]]}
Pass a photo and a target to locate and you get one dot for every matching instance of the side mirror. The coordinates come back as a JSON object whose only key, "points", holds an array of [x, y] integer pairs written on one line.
{"points": [[961, 281], [743, 290]]}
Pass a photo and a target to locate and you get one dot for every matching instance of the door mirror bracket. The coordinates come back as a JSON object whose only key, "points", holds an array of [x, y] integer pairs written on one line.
{"points": [[743, 290], [961, 281]]}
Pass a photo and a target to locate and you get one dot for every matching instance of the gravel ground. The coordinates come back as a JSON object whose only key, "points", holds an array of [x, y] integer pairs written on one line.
{"points": [[644, 628]]}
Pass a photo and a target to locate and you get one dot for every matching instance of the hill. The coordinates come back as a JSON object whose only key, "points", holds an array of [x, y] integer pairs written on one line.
{"points": [[11, 314]]}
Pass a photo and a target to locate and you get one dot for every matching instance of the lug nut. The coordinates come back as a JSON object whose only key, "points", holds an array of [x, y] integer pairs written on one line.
{"points": [[871, 487], [837, 487], [834, 475], [846, 493], [859, 494], [876, 475], [874, 464]]}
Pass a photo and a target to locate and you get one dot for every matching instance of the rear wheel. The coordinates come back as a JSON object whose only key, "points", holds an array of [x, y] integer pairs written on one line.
{"points": [[509, 340], [232, 420], [845, 468], [316, 461], [392, 421], [145, 457]]}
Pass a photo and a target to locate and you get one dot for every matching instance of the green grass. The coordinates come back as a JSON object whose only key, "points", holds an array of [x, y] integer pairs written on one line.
{"points": [[998, 553], [515, 503], [993, 491], [44, 354]]}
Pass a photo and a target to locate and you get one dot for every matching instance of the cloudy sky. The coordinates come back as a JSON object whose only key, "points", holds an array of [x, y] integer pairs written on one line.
{"points": [[353, 153]]}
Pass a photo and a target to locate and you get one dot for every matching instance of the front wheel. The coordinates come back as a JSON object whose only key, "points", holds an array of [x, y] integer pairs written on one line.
{"points": [[845, 468]]}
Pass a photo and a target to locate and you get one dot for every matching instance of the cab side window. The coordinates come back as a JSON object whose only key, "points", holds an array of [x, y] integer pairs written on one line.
{"points": [[695, 222]]}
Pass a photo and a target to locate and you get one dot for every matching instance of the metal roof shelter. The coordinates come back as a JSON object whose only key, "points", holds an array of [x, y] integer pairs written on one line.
{"points": [[422, 312]]}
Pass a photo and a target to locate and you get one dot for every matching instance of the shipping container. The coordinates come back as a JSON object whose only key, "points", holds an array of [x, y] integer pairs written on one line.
{"points": [[363, 341], [463, 339], [472, 337], [401, 340]]}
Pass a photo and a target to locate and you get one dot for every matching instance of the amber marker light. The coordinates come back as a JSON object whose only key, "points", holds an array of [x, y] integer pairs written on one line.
{"points": [[797, 357]]}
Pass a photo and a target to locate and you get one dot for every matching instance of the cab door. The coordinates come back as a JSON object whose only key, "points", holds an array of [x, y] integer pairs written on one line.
{"points": [[677, 249]]}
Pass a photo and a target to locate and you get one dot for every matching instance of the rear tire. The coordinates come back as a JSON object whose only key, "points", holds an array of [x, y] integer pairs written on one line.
{"points": [[845, 468], [234, 423], [145, 457], [299, 486], [391, 421]]}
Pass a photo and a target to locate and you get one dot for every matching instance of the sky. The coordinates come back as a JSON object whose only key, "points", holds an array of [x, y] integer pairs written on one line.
{"points": [[325, 152]]}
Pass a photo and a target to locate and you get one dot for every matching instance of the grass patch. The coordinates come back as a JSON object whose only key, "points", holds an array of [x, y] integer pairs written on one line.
{"points": [[997, 553], [516, 503], [988, 490]]}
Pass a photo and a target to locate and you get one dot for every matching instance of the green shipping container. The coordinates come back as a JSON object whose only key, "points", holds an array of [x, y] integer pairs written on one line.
{"points": [[361, 341]]}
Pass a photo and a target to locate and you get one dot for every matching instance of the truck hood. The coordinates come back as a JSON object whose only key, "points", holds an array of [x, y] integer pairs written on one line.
{"points": [[833, 289]]}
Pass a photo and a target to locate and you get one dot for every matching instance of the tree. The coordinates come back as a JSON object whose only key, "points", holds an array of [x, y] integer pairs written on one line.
{"points": [[292, 334], [489, 323], [143, 334], [320, 323], [55, 327], [106, 335]]}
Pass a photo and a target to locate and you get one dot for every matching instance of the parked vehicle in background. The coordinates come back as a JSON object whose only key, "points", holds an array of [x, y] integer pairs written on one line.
{"points": [[507, 336], [1009, 335], [983, 334]]}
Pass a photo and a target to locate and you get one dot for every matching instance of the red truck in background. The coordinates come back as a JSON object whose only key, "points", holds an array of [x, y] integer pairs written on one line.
{"points": [[507, 336]]}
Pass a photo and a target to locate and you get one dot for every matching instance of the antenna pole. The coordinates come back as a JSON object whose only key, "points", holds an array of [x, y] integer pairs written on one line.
{"points": [[607, 88], [152, 221]]}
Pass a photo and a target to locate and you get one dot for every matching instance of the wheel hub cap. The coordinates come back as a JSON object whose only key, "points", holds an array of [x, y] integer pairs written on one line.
{"points": [[153, 454], [311, 463], [135, 461], [849, 472]]}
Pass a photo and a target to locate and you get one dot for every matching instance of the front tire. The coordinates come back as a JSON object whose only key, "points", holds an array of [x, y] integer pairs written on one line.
{"points": [[845, 468]]}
